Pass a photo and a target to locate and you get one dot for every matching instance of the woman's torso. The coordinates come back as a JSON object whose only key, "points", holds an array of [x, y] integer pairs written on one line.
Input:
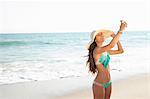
{"points": [[103, 74]]}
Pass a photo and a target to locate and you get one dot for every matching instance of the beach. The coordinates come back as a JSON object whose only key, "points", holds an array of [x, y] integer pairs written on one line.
{"points": [[134, 87], [131, 87], [44, 55], [53, 66]]}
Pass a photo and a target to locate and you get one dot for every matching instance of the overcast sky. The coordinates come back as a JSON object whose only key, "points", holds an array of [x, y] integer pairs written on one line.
{"points": [[28, 16]]}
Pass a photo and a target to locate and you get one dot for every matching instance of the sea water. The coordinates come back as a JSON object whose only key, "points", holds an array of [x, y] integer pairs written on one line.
{"points": [[46, 56]]}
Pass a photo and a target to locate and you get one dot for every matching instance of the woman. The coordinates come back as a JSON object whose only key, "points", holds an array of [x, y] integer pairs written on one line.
{"points": [[99, 61]]}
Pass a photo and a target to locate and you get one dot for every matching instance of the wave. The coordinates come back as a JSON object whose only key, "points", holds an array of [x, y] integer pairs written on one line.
{"points": [[7, 43], [17, 43]]}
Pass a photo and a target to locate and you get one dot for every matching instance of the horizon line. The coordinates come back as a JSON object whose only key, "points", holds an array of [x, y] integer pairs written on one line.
{"points": [[64, 32]]}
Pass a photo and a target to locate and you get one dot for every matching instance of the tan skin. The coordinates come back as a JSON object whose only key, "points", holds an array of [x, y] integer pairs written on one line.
{"points": [[103, 74]]}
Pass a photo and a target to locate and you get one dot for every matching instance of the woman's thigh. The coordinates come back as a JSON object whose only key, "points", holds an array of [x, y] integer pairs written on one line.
{"points": [[108, 91], [98, 92]]}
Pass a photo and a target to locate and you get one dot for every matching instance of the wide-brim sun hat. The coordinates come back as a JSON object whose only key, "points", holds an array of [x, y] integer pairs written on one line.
{"points": [[106, 33]]}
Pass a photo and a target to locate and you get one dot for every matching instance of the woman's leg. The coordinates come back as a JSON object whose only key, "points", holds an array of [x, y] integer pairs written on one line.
{"points": [[108, 91], [98, 92]]}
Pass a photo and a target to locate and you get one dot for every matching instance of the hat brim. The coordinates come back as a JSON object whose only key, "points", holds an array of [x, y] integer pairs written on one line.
{"points": [[88, 45], [106, 33]]}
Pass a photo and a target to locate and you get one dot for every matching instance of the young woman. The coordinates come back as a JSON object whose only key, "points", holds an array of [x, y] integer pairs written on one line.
{"points": [[98, 59]]}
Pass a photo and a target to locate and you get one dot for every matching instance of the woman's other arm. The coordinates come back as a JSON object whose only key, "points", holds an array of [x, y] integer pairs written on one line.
{"points": [[119, 51]]}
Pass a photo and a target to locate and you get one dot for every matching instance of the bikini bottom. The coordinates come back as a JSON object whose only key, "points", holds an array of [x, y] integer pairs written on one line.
{"points": [[107, 84]]}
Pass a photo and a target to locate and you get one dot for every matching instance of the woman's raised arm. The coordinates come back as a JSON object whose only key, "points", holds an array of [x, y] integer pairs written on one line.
{"points": [[115, 39]]}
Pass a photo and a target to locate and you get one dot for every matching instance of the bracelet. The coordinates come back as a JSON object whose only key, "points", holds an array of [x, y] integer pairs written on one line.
{"points": [[120, 31]]}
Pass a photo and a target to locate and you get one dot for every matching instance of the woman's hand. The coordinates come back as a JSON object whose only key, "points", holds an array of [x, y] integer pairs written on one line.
{"points": [[123, 25]]}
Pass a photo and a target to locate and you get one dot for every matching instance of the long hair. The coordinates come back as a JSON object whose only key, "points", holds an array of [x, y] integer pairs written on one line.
{"points": [[90, 62]]}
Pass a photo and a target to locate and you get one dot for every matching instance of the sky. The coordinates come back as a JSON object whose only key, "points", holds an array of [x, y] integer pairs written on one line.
{"points": [[44, 16]]}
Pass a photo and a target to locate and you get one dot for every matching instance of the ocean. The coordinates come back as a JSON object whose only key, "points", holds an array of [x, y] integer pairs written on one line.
{"points": [[45, 56]]}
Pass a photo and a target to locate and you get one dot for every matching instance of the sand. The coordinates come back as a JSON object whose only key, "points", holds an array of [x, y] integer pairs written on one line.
{"points": [[133, 87]]}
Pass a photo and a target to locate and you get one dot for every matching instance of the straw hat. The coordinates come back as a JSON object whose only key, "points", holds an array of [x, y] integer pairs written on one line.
{"points": [[106, 34]]}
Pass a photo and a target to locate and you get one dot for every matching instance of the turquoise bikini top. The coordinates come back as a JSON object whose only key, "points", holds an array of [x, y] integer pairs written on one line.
{"points": [[104, 59]]}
